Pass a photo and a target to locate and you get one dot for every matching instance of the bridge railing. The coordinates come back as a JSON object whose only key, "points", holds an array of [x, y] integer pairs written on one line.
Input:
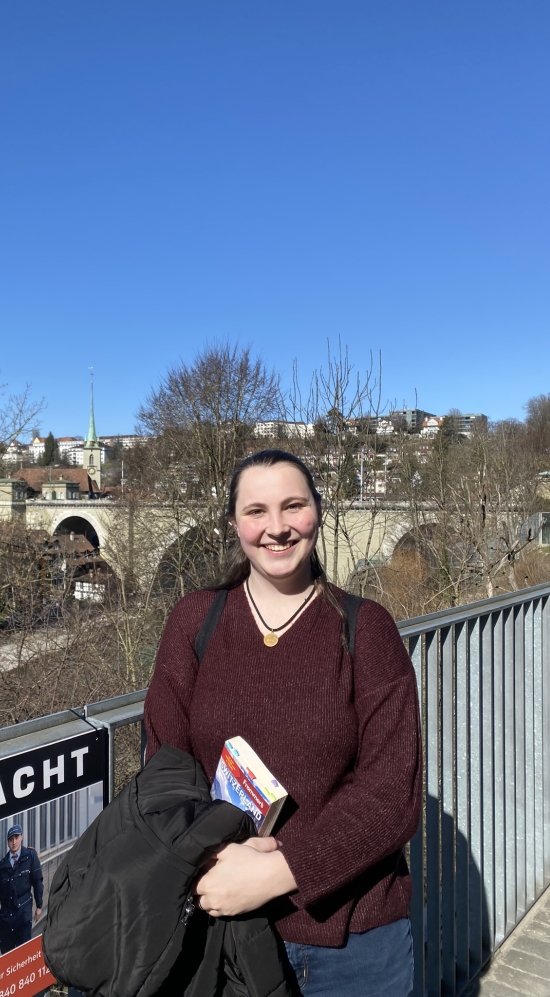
{"points": [[482, 854]]}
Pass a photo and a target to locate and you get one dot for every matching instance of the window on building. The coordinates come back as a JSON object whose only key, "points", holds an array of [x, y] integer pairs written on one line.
{"points": [[43, 827], [22, 820], [545, 537], [70, 809], [31, 827], [53, 823], [62, 819], [54, 495]]}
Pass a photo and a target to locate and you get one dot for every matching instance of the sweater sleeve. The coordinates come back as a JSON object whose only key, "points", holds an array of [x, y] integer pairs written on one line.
{"points": [[376, 809], [166, 711]]}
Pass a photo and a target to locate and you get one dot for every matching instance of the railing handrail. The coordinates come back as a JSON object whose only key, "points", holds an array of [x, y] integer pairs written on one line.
{"points": [[417, 625], [37, 724], [94, 711], [484, 691]]}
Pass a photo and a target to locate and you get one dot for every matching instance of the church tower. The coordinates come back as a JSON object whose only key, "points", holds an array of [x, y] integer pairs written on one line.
{"points": [[92, 447]]}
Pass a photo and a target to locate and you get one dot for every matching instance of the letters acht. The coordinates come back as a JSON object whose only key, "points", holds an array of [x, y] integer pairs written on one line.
{"points": [[24, 778]]}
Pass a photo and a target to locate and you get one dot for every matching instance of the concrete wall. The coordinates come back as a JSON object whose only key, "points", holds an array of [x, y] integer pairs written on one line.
{"points": [[361, 536]]}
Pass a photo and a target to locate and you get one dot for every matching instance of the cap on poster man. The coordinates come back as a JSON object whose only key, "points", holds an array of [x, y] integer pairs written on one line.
{"points": [[15, 829]]}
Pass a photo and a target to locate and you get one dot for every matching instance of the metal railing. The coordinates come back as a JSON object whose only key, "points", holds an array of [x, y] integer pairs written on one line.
{"points": [[111, 714], [114, 714], [482, 855]]}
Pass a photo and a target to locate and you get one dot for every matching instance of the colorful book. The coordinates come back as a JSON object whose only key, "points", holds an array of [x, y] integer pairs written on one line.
{"points": [[243, 780]]}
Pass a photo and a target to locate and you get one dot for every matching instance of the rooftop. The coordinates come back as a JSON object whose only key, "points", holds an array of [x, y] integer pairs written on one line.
{"points": [[37, 476]]}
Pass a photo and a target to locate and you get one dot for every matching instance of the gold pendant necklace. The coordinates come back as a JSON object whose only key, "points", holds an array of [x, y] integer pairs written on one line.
{"points": [[270, 639]]}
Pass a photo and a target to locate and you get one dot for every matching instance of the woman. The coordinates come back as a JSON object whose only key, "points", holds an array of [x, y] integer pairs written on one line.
{"points": [[341, 735]]}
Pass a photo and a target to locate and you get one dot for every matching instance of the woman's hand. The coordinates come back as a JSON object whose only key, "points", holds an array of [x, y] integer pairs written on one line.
{"points": [[244, 877]]}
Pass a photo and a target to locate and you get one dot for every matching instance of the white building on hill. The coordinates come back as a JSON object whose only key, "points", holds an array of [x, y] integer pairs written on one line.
{"points": [[278, 429], [15, 452]]}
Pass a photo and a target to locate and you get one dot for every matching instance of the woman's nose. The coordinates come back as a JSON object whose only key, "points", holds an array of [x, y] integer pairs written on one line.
{"points": [[277, 526]]}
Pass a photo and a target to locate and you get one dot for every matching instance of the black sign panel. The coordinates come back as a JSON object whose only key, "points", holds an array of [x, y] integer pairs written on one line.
{"points": [[48, 772]]}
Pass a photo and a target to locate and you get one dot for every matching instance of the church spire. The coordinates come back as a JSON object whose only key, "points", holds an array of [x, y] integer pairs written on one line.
{"points": [[92, 435], [92, 446]]}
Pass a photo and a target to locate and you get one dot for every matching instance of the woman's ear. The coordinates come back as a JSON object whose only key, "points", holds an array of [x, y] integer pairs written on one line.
{"points": [[233, 524]]}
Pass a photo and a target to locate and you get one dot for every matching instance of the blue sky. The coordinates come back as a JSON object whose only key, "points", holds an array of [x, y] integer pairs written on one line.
{"points": [[179, 173]]}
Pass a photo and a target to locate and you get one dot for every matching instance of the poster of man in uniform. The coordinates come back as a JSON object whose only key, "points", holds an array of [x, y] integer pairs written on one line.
{"points": [[65, 781], [20, 881]]}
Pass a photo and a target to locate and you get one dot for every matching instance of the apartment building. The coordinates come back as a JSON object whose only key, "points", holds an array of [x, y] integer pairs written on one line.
{"points": [[278, 429]]}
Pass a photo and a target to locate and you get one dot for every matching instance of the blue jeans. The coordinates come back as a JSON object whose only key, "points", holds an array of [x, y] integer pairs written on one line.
{"points": [[377, 963]]}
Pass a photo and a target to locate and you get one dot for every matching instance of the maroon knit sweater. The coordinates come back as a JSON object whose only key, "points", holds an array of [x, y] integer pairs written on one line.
{"points": [[341, 736]]}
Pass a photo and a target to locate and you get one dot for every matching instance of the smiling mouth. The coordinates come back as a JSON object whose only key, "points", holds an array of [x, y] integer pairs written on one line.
{"points": [[277, 548]]}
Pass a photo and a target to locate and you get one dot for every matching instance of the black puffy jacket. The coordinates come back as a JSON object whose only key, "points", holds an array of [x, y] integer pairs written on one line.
{"points": [[118, 921]]}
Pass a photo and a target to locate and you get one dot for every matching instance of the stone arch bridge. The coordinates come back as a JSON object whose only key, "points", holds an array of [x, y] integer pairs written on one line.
{"points": [[142, 532]]}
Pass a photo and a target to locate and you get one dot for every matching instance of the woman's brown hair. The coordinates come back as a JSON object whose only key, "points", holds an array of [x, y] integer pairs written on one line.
{"points": [[238, 566]]}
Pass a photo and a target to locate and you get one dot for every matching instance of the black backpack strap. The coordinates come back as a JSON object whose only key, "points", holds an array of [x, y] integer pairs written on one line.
{"points": [[351, 608], [210, 623]]}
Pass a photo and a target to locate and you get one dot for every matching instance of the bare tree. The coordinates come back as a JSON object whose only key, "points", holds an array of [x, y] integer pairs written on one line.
{"points": [[22, 582], [18, 413], [344, 452], [537, 425], [138, 601], [470, 503], [57, 652], [202, 418]]}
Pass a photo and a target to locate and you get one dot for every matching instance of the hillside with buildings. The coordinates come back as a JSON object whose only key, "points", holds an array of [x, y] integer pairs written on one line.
{"points": [[100, 536]]}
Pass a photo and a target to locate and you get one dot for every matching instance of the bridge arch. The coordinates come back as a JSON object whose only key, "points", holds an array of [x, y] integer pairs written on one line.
{"points": [[183, 559], [88, 525], [402, 533]]}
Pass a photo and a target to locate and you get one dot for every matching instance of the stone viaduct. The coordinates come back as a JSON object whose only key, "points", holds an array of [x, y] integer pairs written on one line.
{"points": [[148, 529]]}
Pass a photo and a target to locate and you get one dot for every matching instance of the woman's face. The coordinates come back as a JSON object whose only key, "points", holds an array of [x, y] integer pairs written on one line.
{"points": [[277, 521]]}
